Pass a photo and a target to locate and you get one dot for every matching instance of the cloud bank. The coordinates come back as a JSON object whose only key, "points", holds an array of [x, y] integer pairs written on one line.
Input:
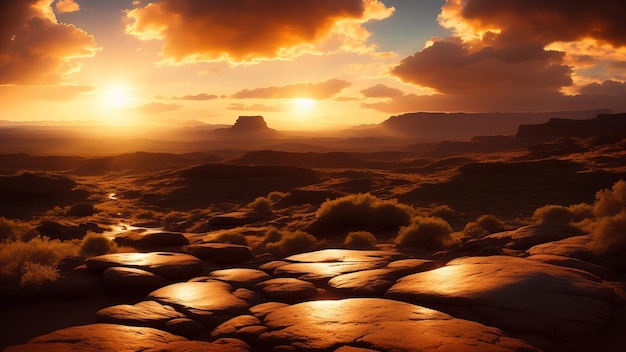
{"points": [[244, 31], [35, 48], [323, 90]]}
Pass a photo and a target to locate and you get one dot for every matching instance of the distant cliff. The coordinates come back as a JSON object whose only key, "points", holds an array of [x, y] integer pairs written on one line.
{"points": [[251, 126], [432, 127], [603, 125]]}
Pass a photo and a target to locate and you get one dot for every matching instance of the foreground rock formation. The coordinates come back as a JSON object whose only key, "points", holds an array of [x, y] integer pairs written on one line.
{"points": [[539, 297]]}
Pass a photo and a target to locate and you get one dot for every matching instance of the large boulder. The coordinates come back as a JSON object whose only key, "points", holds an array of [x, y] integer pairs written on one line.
{"points": [[219, 253], [169, 265], [379, 325], [81, 210], [131, 280], [547, 303], [149, 240]]}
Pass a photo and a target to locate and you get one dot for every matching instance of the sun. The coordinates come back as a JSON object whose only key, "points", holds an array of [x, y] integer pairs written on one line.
{"points": [[303, 104], [117, 96]]}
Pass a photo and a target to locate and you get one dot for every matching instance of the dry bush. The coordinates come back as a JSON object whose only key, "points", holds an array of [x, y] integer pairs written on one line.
{"points": [[473, 230], [363, 211], [261, 205], [276, 196], [232, 237], [360, 239], [16, 230], [443, 211], [15, 256], [554, 214], [427, 233], [610, 234], [289, 242], [94, 244], [610, 202], [490, 223], [35, 275]]}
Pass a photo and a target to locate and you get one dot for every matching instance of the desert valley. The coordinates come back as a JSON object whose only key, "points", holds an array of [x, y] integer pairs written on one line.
{"points": [[251, 239]]}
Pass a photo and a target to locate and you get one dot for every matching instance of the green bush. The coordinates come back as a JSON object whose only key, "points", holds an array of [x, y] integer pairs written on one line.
{"points": [[427, 233], [291, 243], [360, 239], [94, 244], [362, 211]]}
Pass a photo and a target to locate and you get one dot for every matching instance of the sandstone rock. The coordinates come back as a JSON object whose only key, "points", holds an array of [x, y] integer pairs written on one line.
{"points": [[320, 273], [219, 253], [131, 280], [414, 265], [169, 265], [57, 231], [147, 240], [515, 294], [573, 263], [184, 327], [98, 338], [201, 346], [287, 289], [528, 236], [345, 255], [244, 327], [234, 219], [240, 277], [145, 313], [263, 309], [269, 267], [381, 325], [366, 283], [210, 302]]}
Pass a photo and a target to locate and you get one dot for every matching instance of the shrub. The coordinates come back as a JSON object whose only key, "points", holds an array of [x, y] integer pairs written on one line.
{"points": [[360, 239], [273, 235], [15, 230], [276, 196], [443, 211], [554, 214], [474, 230], [291, 243], [35, 275], [490, 223], [610, 202], [94, 244], [232, 237], [428, 233], [610, 234], [363, 211], [261, 205]]}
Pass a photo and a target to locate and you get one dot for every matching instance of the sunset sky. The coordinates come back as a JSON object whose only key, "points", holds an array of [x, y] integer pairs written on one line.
{"points": [[306, 64]]}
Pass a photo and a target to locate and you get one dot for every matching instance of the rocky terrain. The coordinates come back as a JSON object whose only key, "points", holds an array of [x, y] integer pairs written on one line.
{"points": [[274, 250]]}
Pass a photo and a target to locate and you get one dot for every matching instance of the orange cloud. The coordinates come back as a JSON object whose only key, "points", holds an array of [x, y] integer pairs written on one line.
{"points": [[35, 48], [323, 90], [255, 107], [381, 91], [197, 97], [64, 6], [154, 107], [245, 31]]}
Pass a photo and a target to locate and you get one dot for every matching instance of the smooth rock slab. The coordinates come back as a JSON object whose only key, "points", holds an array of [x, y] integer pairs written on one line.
{"points": [[169, 265], [514, 294], [287, 289], [151, 239], [322, 272], [240, 277], [204, 301], [202, 346], [219, 253], [368, 283], [528, 236], [99, 338], [131, 280], [146, 313], [345, 255], [378, 324]]}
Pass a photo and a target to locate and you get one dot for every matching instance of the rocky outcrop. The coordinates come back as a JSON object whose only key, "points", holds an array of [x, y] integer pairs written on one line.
{"points": [[601, 126]]}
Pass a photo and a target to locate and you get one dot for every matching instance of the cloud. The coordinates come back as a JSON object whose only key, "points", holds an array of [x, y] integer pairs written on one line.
{"points": [[255, 107], [154, 107], [519, 55], [245, 31], [64, 6], [35, 48], [42, 93], [323, 90], [456, 67], [197, 97], [381, 91]]}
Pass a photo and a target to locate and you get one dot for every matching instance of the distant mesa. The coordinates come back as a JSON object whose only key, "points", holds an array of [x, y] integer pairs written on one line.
{"points": [[249, 126], [603, 125]]}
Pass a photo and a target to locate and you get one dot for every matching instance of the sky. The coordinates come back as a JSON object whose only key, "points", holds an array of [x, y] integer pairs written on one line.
{"points": [[305, 64]]}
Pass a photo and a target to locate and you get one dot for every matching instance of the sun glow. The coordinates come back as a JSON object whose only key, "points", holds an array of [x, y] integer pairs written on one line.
{"points": [[303, 104], [117, 96]]}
